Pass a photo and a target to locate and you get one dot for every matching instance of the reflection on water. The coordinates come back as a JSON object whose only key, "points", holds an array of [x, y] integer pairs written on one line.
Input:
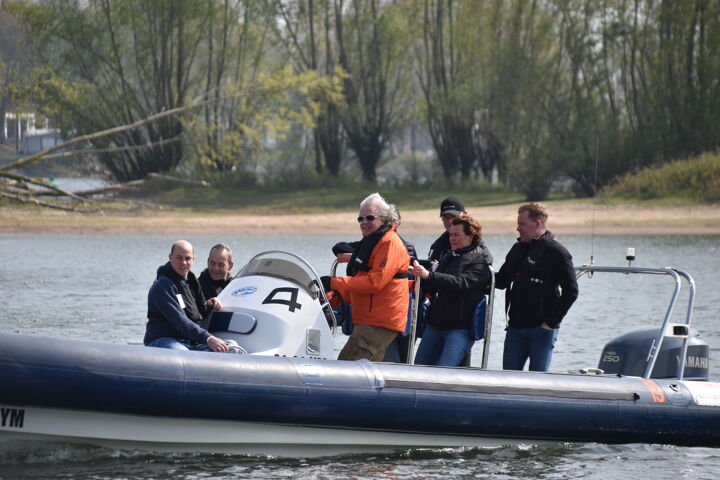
{"points": [[95, 287]]}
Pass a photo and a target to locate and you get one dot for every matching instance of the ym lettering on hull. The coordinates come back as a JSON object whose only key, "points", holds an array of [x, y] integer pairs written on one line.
{"points": [[12, 417]]}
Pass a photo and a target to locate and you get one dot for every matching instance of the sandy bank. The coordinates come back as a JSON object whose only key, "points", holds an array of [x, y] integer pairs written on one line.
{"points": [[564, 219]]}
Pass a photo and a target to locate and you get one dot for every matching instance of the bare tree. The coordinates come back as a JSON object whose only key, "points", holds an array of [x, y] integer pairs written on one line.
{"points": [[371, 51], [307, 32], [113, 62], [449, 58], [10, 38]]}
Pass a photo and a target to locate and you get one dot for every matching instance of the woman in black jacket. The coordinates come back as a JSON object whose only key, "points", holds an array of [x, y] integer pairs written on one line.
{"points": [[456, 286]]}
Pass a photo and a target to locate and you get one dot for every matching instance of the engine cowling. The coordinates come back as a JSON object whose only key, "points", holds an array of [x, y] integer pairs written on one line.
{"points": [[628, 355]]}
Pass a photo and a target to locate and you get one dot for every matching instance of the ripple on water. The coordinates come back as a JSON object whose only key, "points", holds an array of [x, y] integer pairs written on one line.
{"points": [[549, 461]]}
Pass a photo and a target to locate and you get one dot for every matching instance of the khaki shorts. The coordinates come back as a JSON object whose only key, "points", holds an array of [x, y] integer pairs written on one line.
{"points": [[367, 342]]}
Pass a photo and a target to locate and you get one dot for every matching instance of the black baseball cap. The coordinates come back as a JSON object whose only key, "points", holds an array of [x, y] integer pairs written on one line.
{"points": [[452, 205]]}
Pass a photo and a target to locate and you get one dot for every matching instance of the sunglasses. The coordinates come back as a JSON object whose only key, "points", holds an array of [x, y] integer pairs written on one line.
{"points": [[369, 218]]}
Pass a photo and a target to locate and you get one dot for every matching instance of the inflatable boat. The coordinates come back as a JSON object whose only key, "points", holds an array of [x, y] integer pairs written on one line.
{"points": [[282, 393]]}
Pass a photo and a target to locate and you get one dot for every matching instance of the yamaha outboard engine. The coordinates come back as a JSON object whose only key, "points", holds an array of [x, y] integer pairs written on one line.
{"points": [[628, 354]]}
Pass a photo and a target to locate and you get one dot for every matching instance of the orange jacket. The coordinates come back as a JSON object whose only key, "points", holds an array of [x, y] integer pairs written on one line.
{"points": [[377, 298]]}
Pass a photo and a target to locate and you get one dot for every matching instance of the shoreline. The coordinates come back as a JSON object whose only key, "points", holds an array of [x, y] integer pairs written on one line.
{"points": [[565, 219]]}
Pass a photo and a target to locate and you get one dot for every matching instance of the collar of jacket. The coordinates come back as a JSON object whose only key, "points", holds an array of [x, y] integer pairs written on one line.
{"points": [[548, 235], [464, 250], [361, 255]]}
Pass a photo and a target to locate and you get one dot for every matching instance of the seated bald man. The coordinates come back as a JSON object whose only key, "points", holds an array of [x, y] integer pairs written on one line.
{"points": [[177, 306]]}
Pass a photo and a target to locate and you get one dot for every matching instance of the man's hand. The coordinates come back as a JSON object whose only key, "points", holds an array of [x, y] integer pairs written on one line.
{"points": [[344, 257], [214, 304], [419, 271], [217, 345]]}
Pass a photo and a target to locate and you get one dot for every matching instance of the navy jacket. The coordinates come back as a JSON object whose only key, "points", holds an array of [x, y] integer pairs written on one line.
{"points": [[167, 317]]}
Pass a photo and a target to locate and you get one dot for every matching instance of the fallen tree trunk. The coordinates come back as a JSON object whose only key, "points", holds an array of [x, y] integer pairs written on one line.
{"points": [[36, 181], [35, 201]]}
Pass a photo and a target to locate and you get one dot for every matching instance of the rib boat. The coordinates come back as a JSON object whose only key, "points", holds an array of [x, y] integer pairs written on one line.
{"points": [[281, 392]]}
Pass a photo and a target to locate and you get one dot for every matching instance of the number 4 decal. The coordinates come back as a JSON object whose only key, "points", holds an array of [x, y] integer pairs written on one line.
{"points": [[292, 303]]}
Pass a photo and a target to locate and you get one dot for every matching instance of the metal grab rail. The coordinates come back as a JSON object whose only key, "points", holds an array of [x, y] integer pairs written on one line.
{"points": [[488, 320], [413, 322], [657, 342]]}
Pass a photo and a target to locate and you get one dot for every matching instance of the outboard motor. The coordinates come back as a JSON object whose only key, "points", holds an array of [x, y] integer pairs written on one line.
{"points": [[628, 354]]}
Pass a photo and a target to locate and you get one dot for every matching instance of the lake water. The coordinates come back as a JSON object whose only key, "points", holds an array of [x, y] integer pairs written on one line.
{"points": [[95, 286]]}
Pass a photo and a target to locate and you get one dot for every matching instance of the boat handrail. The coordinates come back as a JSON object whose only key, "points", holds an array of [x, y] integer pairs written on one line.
{"points": [[315, 282], [488, 320], [677, 276]]}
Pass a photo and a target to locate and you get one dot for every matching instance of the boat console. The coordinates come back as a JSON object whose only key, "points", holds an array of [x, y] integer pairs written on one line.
{"points": [[276, 305]]}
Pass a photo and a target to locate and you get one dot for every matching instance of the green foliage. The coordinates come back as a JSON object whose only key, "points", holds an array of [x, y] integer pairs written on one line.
{"points": [[265, 111], [696, 178], [52, 95], [537, 91]]}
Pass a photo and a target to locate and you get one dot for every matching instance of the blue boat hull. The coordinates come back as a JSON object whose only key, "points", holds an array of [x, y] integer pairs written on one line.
{"points": [[419, 402]]}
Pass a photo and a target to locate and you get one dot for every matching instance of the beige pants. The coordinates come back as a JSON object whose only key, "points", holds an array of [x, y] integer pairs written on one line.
{"points": [[367, 342]]}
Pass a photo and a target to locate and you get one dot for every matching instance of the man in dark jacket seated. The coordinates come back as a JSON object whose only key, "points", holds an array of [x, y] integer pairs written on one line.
{"points": [[176, 306], [217, 274]]}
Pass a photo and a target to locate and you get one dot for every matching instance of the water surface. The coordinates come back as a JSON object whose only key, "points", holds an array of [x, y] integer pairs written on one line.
{"points": [[95, 287]]}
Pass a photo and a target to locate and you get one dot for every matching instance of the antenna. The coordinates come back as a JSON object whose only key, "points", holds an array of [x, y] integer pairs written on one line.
{"points": [[592, 235]]}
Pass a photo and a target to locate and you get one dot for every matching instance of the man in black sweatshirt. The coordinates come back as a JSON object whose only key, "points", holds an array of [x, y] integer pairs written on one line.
{"points": [[217, 276], [539, 276]]}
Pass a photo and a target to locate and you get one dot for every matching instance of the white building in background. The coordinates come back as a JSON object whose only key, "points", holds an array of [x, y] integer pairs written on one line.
{"points": [[28, 132]]}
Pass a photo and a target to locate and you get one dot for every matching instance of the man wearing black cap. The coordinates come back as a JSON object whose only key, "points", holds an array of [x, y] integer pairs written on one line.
{"points": [[450, 208]]}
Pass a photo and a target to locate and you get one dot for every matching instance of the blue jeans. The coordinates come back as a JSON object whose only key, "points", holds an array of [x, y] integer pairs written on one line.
{"points": [[536, 343], [177, 344], [443, 347]]}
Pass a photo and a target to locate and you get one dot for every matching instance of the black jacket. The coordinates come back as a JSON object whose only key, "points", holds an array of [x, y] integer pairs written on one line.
{"points": [[456, 286], [541, 279], [211, 288]]}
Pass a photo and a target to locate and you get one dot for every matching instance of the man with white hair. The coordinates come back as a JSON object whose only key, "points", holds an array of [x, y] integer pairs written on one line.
{"points": [[377, 282]]}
